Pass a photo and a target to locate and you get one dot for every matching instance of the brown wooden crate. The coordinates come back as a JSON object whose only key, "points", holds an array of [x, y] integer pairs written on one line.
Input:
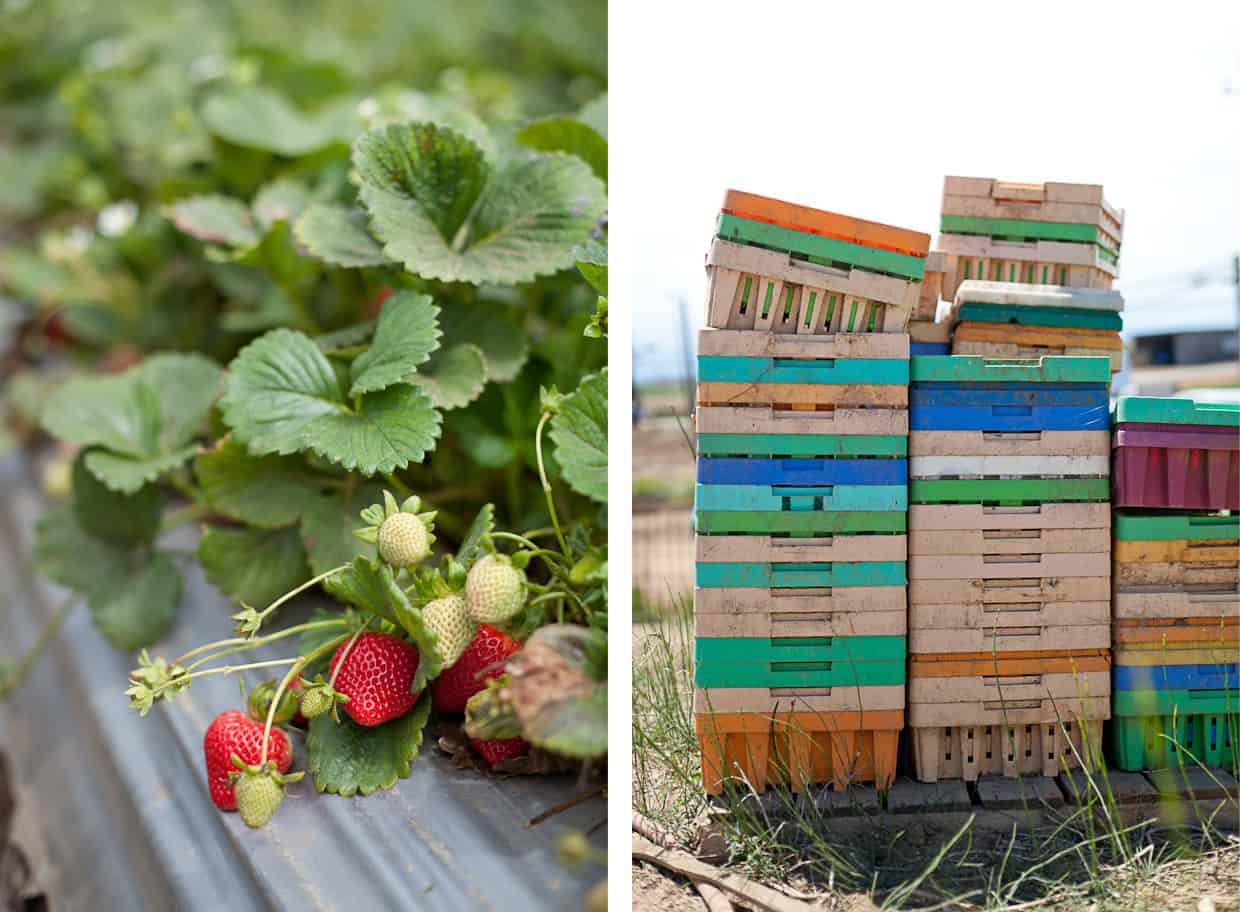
{"points": [[1013, 712], [1222, 636], [1136, 574], [762, 419], [719, 392], [1044, 336], [800, 623], [993, 591], [935, 517], [989, 687], [1017, 614], [967, 752], [1009, 443], [1176, 654], [830, 346], [948, 665], [776, 701], [768, 549], [839, 599], [1008, 566], [1025, 262], [830, 224], [1010, 639], [924, 329], [1166, 602], [1184, 550], [1009, 541]]}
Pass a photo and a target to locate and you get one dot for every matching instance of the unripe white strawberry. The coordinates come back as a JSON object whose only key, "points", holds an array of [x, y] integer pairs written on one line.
{"points": [[495, 590], [403, 540], [448, 618]]}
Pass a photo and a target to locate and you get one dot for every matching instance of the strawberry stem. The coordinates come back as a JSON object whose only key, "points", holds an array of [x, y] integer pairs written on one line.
{"points": [[18, 671], [241, 644], [229, 669], [262, 615], [546, 486], [291, 675]]}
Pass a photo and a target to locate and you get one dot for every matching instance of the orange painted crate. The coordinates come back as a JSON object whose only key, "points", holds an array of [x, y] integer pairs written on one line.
{"points": [[1031, 749], [1179, 563], [1019, 662], [1219, 631], [798, 749], [807, 395], [828, 224], [1000, 340]]}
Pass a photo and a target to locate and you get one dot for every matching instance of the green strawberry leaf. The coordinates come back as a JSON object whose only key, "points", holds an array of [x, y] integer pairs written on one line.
{"points": [[349, 759], [597, 327], [282, 200], [442, 210], [405, 336], [579, 431], [389, 430], [259, 118], [134, 612], [473, 545], [503, 341], [277, 386], [126, 519], [594, 113], [346, 338], [143, 419], [255, 566], [284, 397], [455, 377], [338, 235], [67, 554], [214, 219], [327, 525], [371, 585], [566, 134], [265, 491], [591, 258]]}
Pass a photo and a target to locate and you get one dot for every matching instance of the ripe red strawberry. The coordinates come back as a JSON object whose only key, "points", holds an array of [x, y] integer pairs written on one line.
{"points": [[377, 677], [234, 732], [495, 750], [489, 647]]}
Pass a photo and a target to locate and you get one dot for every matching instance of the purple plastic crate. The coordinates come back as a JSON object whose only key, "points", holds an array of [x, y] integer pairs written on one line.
{"points": [[1176, 466]]}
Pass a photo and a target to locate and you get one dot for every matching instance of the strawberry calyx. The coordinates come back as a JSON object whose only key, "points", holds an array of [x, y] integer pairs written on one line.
{"points": [[259, 789], [320, 697]]}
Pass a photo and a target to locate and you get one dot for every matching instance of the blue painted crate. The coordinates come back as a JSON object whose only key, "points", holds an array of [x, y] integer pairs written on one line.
{"points": [[740, 470], [1176, 677], [812, 575], [1009, 418], [929, 348], [1061, 395], [747, 369], [798, 498]]}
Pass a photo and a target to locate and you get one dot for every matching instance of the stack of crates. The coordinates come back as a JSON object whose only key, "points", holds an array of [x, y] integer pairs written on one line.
{"points": [[1177, 583], [1009, 564], [1047, 236], [801, 502]]}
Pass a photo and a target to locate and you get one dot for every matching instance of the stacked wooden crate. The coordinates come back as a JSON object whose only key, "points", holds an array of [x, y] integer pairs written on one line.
{"points": [[1177, 583], [1047, 236], [1009, 564], [801, 503]]}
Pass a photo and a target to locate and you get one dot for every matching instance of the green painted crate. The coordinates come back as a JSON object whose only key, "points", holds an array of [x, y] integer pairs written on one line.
{"points": [[830, 371], [803, 446], [800, 525], [976, 369], [1023, 230], [819, 248], [817, 574], [799, 661], [1161, 729], [1168, 526], [1040, 316], [1008, 491], [1155, 410]]}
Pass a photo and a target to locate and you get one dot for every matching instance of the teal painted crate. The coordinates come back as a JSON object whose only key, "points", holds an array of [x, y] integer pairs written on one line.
{"points": [[1025, 230], [803, 446], [804, 524], [1039, 316], [1156, 410], [1161, 729], [1165, 525], [795, 499], [818, 248], [799, 661], [801, 575], [747, 369], [976, 369]]}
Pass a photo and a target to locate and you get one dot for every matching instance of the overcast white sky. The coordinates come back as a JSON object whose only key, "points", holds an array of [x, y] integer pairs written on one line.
{"points": [[864, 111]]}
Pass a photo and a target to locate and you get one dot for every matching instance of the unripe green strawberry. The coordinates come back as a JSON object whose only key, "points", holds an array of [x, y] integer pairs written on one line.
{"points": [[495, 589], [258, 797], [258, 702], [403, 540], [316, 701], [448, 618]]}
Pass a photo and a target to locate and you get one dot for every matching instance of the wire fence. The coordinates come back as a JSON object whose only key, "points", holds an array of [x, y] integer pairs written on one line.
{"points": [[663, 554]]}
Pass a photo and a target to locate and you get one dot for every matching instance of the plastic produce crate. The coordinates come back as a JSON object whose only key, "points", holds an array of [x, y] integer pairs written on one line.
{"points": [[1028, 662], [800, 498], [1162, 729], [745, 369], [1039, 316], [807, 395], [770, 291], [1009, 541], [1207, 631], [1136, 525], [819, 471], [756, 749], [1210, 653], [931, 286], [1007, 490], [1011, 621], [977, 369], [992, 591], [1176, 602], [808, 575], [772, 701], [842, 548], [799, 661], [971, 395], [1023, 565], [966, 752], [833, 347], [848, 611], [929, 339], [1198, 676], [1026, 262], [768, 421], [1177, 466], [1081, 204], [1007, 417], [805, 446], [998, 340], [939, 637], [799, 523]]}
